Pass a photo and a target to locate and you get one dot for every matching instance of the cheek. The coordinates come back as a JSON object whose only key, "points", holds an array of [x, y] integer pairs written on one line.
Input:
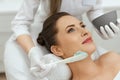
{"points": [[90, 48], [69, 46]]}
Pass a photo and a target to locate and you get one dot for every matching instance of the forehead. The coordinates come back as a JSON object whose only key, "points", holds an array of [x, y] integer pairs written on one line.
{"points": [[67, 20]]}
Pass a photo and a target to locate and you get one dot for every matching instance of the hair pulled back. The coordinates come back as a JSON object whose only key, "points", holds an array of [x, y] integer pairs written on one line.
{"points": [[47, 37]]}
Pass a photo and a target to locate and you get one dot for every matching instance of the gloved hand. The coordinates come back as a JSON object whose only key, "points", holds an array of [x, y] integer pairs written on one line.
{"points": [[108, 32], [38, 68]]}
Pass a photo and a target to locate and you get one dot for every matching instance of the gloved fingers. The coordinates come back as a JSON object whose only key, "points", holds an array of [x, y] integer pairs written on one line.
{"points": [[105, 35], [118, 20], [42, 66], [34, 69], [109, 31], [38, 64], [38, 68], [37, 71], [114, 28], [46, 71], [118, 23]]}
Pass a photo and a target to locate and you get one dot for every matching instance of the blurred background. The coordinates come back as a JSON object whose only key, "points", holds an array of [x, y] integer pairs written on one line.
{"points": [[8, 9]]}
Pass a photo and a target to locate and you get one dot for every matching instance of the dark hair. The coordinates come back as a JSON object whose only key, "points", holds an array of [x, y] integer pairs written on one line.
{"points": [[47, 37]]}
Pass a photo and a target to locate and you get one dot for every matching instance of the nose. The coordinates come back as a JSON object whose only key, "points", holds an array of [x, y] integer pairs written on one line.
{"points": [[84, 32]]}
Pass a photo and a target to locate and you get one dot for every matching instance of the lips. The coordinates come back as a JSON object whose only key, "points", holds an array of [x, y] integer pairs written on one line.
{"points": [[88, 40]]}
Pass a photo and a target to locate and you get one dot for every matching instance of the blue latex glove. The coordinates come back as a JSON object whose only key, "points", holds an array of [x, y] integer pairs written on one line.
{"points": [[111, 31]]}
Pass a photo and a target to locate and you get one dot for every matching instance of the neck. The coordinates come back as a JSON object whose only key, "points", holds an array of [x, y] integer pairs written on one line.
{"points": [[84, 68]]}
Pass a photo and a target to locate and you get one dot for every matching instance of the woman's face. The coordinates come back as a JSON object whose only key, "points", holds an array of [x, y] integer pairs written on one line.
{"points": [[72, 36]]}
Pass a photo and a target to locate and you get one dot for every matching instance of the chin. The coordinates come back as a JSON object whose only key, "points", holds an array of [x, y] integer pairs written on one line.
{"points": [[90, 49]]}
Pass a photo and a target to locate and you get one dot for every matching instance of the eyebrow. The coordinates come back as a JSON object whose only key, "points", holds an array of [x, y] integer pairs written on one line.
{"points": [[81, 23], [72, 25]]}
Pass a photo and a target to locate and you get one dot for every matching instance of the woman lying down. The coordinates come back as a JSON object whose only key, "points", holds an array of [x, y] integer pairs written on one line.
{"points": [[64, 35]]}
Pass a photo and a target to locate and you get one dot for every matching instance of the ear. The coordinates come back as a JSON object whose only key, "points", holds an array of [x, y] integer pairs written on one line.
{"points": [[56, 50]]}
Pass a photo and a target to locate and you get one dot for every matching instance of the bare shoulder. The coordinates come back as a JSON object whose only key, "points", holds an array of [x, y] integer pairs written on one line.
{"points": [[111, 57]]}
